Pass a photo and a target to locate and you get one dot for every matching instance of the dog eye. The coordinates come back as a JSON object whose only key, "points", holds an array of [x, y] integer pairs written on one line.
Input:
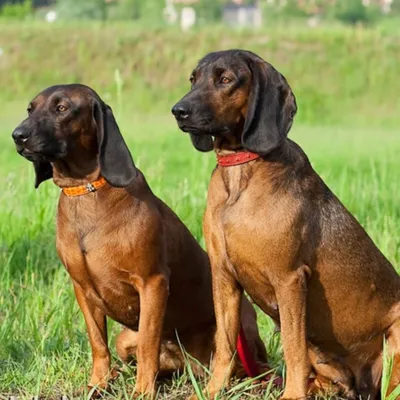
{"points": [[191, 79], [61, 108], [225, 80], [29, 109]]}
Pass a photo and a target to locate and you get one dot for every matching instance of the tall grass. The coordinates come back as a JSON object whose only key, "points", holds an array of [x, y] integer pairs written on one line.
{"points": [[386, 374], [44, 348], [339, 74]]}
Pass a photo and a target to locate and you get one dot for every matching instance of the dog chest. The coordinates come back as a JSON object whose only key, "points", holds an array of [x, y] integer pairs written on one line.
{"points": [[104, 284]]}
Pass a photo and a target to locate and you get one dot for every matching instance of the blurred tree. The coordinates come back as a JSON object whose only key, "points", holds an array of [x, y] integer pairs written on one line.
{"points": [[347, 11], [35, 3], [139, 9], [151, 9], [396, 6], [16, 9], [355, 12], [126, 9], [78, 9], [210, 10]]}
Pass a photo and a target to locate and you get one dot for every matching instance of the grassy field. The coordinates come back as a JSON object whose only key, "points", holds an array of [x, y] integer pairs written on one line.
{"points": [[340, 75], [43, 344]]}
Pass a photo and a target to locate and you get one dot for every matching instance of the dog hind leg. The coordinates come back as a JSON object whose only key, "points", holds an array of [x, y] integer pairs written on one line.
{"points": [[171, 357], [331, 375], [394, 350]]}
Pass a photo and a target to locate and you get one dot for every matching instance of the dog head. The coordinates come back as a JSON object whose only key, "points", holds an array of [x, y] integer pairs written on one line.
{"points": [[71, 123], [237, 93]]}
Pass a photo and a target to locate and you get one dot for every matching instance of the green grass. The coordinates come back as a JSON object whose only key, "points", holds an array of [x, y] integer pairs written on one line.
{"points": [[347, 88], [339, 74], [44, 349], [388, 361]]}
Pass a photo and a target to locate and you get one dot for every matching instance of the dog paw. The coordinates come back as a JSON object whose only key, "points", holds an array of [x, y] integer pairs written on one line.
{"points": [[195, 397], [272, 379], [96, 393], [90, 392], [148, 394]]}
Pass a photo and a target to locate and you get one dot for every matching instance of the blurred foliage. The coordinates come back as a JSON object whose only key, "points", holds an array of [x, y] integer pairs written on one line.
{"points": [[346, 11], [146, 10], [209, 10], [354, 12], [339, 74], [150, 10], [126, 9], [87, 9], [18, 10], [117, 10]]}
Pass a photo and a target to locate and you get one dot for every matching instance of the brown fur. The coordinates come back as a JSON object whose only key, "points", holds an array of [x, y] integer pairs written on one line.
{"points": [[129, 256], [275, 230]]}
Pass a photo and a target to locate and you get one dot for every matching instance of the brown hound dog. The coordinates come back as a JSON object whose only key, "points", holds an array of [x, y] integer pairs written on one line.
{"points": [[129, 256], [274, 229]]}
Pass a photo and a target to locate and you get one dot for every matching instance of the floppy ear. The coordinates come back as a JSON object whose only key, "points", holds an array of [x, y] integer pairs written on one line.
{"points": [[43, 171], [116, 164], [271, 109], [202, 142]]}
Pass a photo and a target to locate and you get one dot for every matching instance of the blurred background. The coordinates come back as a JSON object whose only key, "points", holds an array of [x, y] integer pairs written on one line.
{"points": [[342, 60], [338, 55]]}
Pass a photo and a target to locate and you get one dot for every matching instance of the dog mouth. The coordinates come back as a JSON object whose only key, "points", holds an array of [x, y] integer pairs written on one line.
{"points": [[190, 129], [203, 130], [24, 152], [31, 155]]}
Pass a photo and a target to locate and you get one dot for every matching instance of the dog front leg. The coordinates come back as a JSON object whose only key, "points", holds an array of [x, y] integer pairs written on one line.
{"points": [[96, 325], [227, 303], [291, 296], [153, 295]]}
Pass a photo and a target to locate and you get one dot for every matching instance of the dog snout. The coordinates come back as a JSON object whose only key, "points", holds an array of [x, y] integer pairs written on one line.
{"points": [[181, 111], [21, 135]]}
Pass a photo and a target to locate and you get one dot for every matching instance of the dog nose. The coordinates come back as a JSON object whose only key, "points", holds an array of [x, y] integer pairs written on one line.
{"points": [[181, 111], [20, 135]]}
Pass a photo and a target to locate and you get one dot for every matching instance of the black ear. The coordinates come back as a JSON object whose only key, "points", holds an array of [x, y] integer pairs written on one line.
{"points": [[202, 142], [116, 164], [43, 171], [271, 108]]}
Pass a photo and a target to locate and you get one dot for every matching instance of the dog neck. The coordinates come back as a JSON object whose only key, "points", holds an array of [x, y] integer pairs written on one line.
{"points": [[72, 171], [236, 176], [227, 145], [231, 153]]}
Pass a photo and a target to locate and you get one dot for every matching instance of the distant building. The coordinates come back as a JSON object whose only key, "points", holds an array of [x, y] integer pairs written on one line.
{"points": [[242, 15]]}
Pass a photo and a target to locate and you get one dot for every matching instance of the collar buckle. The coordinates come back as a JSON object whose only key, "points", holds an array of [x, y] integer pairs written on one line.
{"points": [[90, 188]]}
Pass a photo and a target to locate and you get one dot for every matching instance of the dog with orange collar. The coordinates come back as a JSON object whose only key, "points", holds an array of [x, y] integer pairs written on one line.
{"points": [[128, 255]]}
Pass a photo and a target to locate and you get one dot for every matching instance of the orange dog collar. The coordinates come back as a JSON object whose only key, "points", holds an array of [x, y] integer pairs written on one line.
{"points": [[241, 157], [91, 187]]}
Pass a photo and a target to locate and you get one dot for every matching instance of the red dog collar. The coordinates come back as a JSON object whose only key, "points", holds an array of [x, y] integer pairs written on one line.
{"points": [[241, 157]]}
